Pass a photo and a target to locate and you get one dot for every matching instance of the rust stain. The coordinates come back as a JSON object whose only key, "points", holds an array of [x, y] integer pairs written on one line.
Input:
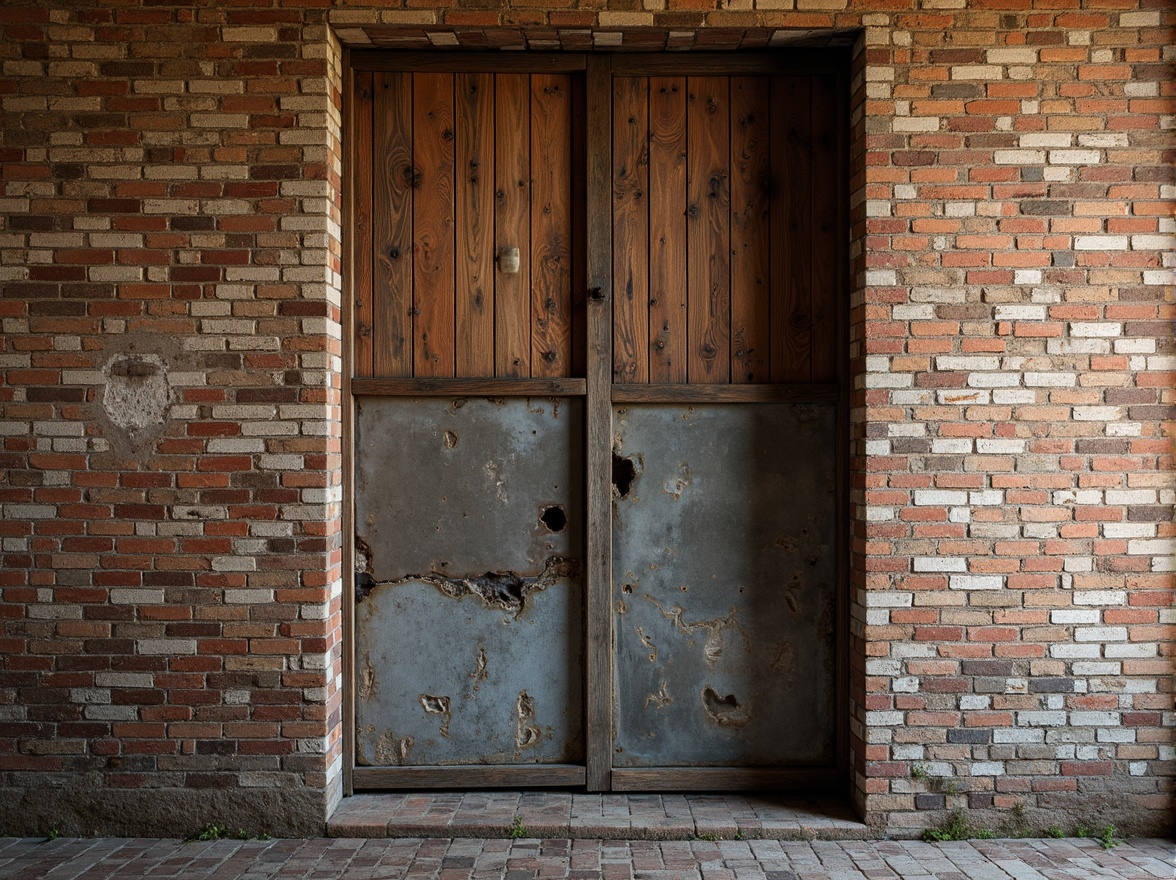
{"points": [[661, 699], [367, 678], [724, 710], [391, 751], [437, 706], [526, 734], [713, 646], [499, 590], [479, 674], [675, 486], [645, 640]]}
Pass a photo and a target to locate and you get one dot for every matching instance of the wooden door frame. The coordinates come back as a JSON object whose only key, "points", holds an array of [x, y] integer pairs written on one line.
{"points": [[600, 393]]}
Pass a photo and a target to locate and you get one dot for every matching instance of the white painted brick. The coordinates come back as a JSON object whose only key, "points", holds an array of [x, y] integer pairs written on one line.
{"points": [[1046, 139], [1097, 413], [889, 599], [1094, 719], [954, 363], [1152, 547], [988, 497], [1051, 380], [1041, 719], [999, 447], [1019, 157], [1100, 243], [166, 646], [939, 563], [1074, 157], [954, 445], [1105, 328], [976, 582], [1131, 496], [1100, 597], [1100, 634], [924, 497]]}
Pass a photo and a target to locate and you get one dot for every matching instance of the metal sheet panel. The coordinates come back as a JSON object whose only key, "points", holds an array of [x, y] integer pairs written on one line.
{"points": [[469, 598], [724, 584]]}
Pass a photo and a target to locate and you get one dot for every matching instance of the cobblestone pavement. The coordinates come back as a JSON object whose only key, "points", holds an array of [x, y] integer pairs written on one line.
{"points": [[467, 859]]}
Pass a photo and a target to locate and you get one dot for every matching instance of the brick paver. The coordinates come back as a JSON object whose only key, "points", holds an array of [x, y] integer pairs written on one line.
{"points": [[608, 816], [532, 859]]}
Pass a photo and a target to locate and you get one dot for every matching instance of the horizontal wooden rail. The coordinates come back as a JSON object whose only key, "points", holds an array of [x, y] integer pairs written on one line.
{"points": [[468, 387], [458, 778], [749, 393]]}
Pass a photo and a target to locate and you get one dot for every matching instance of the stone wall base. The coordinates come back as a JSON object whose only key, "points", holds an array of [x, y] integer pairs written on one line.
{"points": [[160, 812]]}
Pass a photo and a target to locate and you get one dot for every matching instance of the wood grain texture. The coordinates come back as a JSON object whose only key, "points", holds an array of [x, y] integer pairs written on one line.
{"points": [[474, 224], [708, 302], [630, 218], [733, 393], [598, 635], [791, 236], [432, 216], [392, 198], [825, 228], [579, 231], [750, 228], [667, 229], [363, 318], [512, 224], [551, 225], [469, 387]]}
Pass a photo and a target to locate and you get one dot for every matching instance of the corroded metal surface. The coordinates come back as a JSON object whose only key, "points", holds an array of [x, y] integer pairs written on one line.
{"points": [[724, 584], [468, 581]]}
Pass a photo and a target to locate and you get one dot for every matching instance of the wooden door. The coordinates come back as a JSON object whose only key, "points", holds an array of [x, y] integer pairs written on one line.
{"points": [[596, 359]]}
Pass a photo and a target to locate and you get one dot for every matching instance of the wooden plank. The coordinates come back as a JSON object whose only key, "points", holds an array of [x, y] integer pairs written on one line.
{"points": [[432, 217], [360, 156], [630, 195], [825, 228], [474, 223], [733, 393], [392, 199], [742, 63], [468, 62], [551, 224], [667, 229], [579, 232], [361, 224], [469, 387], [598, 418], [458, 778], [791, 329], [751, 203], [512, 224], [708, 300], [724, 779]]}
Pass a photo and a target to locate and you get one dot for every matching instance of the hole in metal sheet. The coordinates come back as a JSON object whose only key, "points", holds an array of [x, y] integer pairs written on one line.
{"points": [[554, 518], [624, 472]]}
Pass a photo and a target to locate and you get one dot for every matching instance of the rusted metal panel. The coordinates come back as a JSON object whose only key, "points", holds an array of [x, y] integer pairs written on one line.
{"points": [[724, 583], [469, 587]]}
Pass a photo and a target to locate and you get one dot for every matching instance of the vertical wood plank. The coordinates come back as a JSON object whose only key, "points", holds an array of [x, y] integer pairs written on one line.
{"points": [[598, 634], [791, 238], [474, 224], [551, 225], [360, 153], [579, 230], [512, 224], [392, 199], [361, 227], [708, 302], [667, 229], [630, 218], [750, 223], [432, 213], [826, 235]]}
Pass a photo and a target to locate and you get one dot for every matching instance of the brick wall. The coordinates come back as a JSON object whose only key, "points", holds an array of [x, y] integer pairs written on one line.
{"points": [[170, 371]]}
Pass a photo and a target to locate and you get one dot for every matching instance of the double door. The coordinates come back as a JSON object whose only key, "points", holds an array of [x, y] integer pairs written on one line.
{"points": [[595, 421]]}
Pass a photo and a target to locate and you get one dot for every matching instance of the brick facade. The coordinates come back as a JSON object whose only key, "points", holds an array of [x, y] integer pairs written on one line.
{"points": [[171, 363]]}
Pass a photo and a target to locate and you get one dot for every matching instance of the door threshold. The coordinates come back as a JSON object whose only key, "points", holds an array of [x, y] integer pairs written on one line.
{"points": [[536, 814]]}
